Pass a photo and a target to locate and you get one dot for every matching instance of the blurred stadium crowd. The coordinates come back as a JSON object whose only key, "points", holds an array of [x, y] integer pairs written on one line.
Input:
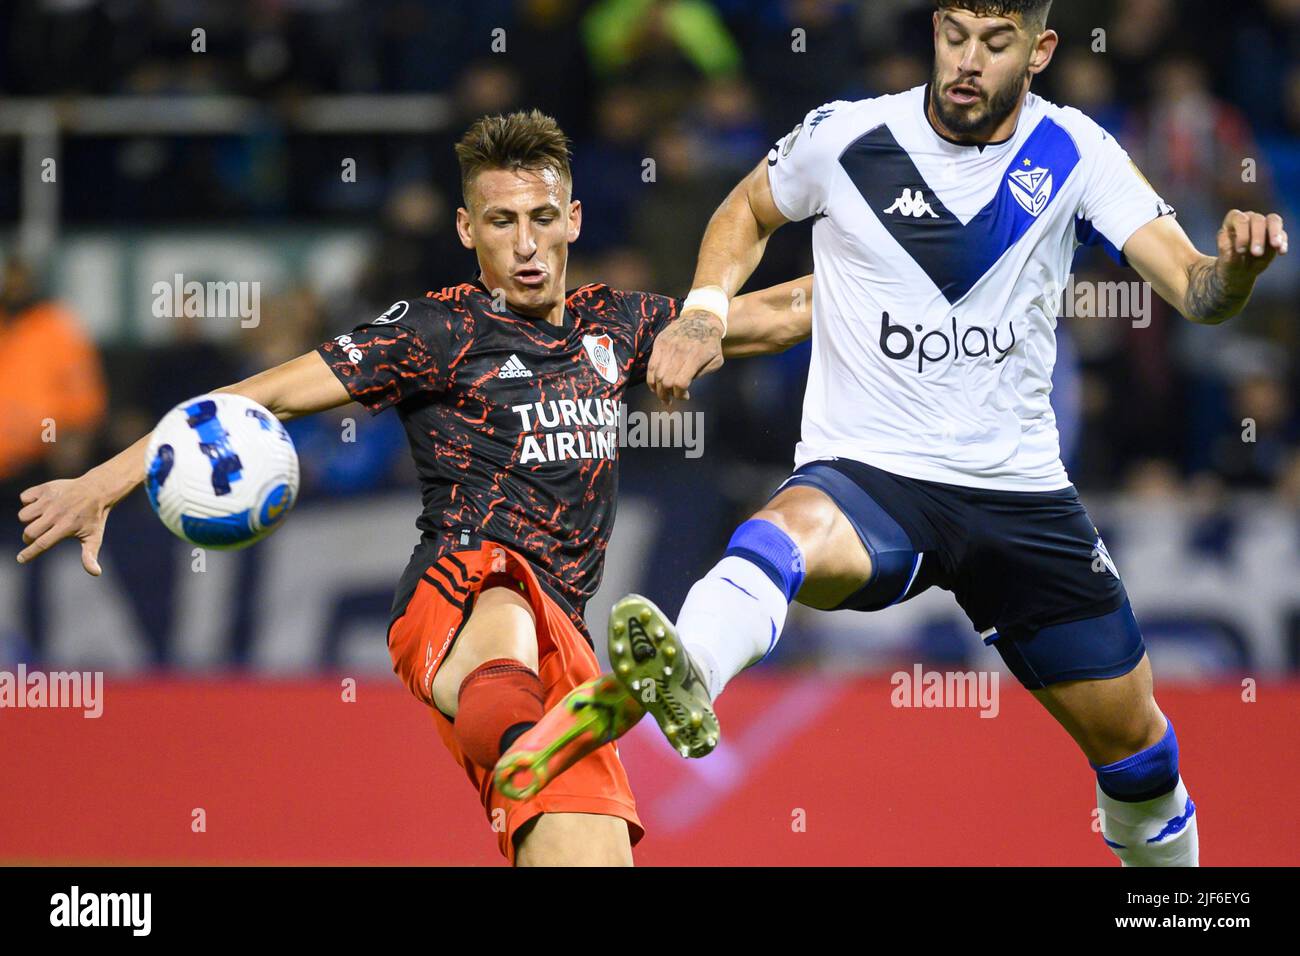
{"points": [[1206, 99]]}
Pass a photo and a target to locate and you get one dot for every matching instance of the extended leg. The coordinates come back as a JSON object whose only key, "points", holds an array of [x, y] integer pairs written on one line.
{"points": [[799, 545], [1147, 817], [490, 688], [489, 685]]}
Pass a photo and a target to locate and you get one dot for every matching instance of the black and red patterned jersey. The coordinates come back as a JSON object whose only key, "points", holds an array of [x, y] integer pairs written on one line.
{"points": [[513, 422]]}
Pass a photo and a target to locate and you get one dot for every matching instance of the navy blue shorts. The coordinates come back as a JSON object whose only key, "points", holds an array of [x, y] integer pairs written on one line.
{"points": [[1029, 568]]}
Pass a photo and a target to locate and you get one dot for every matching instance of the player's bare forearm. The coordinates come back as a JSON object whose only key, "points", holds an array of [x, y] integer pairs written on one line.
{"points": [[1207, 289], [1209, 299], [79, 507], [760, 323], [300, 386], [770, 320], [737, 234]]}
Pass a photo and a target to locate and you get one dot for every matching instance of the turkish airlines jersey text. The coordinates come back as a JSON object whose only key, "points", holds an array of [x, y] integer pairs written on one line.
{"points": [[513, 422]]}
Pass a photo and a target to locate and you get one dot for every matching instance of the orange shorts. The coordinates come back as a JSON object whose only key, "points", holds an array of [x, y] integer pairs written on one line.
{"points": [[419, 641]]}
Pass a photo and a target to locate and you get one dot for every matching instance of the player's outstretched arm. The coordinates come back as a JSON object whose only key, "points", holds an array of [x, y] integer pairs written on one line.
{"points": [[770, 320], [1207, 289], [78, 507], [732, 248], [737, 233]]}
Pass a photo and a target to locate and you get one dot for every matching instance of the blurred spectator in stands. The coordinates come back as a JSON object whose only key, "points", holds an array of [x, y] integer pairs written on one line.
{"points": [[609, 168], [1255, 445], [1154, 479], [1132, 386], [1192, 145], [673, 211], [417, 251], [627, 267], [798, 53], [547, 34], [1085, 81], [1267, 36], [1288, 485], [52, 398], [892, 73], [661, 46], [52, 392], [1199, 153], [1138, 32], [1283, 146], [727, 128], [487, 86]]}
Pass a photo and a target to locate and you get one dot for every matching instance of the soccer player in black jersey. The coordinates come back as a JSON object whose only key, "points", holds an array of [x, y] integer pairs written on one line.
{"points": [[509, 391]]}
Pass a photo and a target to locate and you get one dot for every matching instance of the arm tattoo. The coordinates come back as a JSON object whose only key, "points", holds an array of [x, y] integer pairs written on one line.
{"points": [[1208, 297], [696, 327]]}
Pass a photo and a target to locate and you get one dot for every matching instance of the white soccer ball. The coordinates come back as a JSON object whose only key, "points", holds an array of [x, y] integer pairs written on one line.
{"points": [[221, 471]]}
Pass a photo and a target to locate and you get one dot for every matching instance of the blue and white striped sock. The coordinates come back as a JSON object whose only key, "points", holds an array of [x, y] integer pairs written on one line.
{"points": [[734, 615], [1157, 832]]}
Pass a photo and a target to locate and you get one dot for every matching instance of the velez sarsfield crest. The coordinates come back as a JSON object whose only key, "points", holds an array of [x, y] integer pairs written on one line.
{"points": [[1032, 188]]}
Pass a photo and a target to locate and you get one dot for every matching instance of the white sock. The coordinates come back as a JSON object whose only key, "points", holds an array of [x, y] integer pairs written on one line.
{"points": [[731, 619], [1170, 818]]}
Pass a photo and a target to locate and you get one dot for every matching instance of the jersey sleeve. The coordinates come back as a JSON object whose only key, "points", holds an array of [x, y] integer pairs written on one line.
{"points": [[1118, 200], [802, 165], [404, 352], [651, 314]]}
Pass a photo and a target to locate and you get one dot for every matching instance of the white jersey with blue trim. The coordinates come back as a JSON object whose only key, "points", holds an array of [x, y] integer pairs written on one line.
{"points": [[939, 270]]}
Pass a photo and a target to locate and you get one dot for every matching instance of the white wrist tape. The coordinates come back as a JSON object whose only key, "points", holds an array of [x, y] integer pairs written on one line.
{"points": [[710, 298]]}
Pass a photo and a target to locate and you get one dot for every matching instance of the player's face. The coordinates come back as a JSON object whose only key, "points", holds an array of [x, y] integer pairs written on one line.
{"points": [[982, 67], [520, 223]]}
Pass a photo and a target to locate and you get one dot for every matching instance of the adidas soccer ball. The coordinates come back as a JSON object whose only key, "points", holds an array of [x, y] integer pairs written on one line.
{"points": [[221, 471]]}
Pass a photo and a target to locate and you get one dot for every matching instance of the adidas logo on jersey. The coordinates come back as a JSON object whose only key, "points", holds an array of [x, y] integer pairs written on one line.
{"points": [[514, 369], [912, 204]]}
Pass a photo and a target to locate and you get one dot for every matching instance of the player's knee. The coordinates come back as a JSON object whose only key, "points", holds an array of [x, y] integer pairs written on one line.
{"points": [[501, 626], [1124, 732], [833, 559], [1146, 773], [771, 548], [803, 514]]}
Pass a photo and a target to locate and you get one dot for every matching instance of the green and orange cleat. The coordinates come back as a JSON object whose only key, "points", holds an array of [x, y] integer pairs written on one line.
{"points": [[649, 660], [587, 718]]}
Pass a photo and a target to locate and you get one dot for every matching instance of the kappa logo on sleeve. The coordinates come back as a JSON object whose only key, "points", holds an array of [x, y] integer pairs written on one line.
{"points": [[817, 120]]}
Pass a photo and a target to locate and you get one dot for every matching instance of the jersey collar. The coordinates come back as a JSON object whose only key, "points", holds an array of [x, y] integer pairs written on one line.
{"points": [[556, 332]]}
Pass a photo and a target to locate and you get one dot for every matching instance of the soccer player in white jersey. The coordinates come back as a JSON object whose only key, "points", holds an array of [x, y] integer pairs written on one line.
{"points": [[946, 221]]}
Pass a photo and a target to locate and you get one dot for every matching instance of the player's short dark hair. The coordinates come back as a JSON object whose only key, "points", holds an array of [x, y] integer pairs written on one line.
{"points": [[1032, 13], [521, 140]]}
